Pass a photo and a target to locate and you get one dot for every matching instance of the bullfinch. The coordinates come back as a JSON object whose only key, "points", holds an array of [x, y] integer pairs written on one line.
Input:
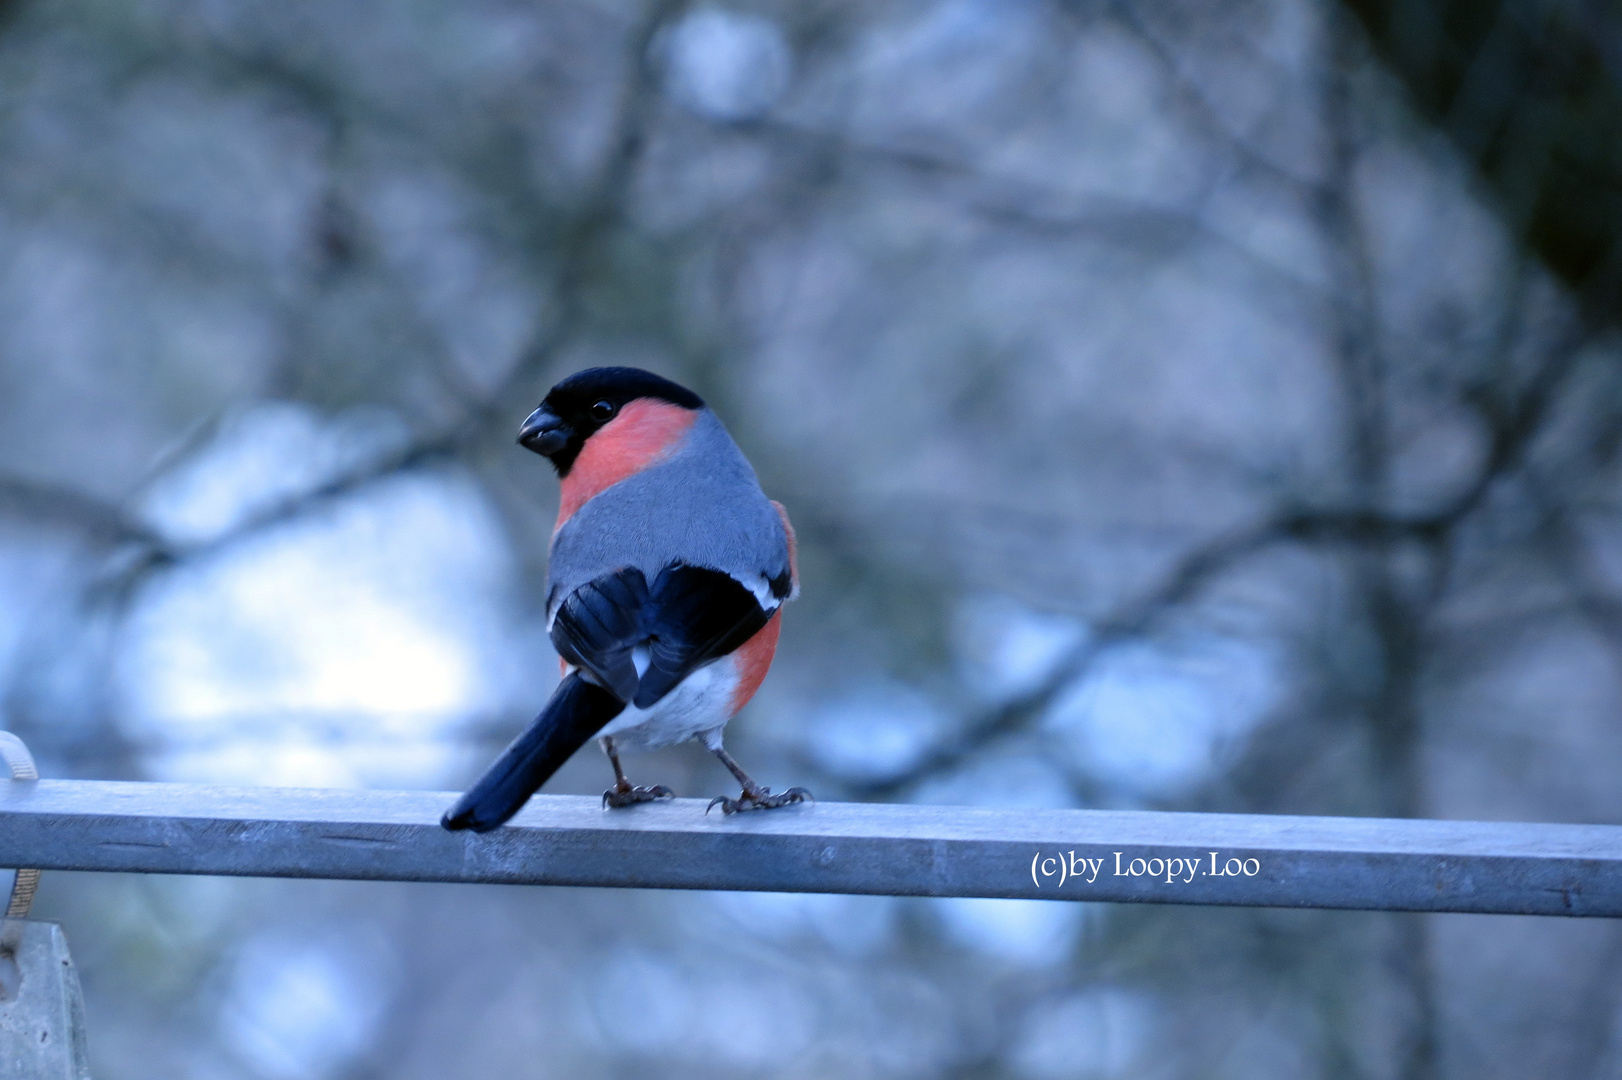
{"points": [[669, 568]]}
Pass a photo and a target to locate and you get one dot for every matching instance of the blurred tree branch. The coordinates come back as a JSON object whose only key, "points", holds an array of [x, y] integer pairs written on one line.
{"points": [[1530, 91], [98, 519]]}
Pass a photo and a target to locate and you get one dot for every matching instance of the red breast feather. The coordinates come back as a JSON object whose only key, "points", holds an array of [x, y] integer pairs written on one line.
{"points": [[644, 432], [753, 659]]}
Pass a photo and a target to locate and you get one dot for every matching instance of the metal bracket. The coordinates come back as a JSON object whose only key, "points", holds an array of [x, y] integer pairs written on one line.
{"points": [[21, 763]]}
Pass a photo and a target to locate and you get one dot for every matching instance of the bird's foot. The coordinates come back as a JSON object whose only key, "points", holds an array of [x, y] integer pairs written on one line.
{"points": [[759, 799], [625, 795]]}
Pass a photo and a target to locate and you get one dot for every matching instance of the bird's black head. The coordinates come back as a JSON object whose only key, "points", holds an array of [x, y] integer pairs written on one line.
{"points": [[576, 407]]}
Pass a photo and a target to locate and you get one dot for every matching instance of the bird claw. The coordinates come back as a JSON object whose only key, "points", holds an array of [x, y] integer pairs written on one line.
{"points": [[616, 797], [760, 799]]}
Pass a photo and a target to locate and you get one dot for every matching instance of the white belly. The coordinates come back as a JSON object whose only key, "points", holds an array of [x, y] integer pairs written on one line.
{"points": [[700, 703]]}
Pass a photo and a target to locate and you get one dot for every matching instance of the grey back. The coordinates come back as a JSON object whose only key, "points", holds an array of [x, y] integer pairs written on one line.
{"points": [[702, 506]]}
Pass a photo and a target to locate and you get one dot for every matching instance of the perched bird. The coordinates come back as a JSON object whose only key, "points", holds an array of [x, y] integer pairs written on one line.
{"points": [[668, 571]]}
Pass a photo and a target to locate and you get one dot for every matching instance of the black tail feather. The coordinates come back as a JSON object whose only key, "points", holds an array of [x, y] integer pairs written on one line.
{"points": [[577, 711]]}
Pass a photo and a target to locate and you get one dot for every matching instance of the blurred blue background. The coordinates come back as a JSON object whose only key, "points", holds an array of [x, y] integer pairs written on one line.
{"points": [[1203, 406]]}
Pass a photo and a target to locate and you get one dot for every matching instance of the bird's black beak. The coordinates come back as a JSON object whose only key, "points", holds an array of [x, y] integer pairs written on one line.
{"points": [[544, 432]]}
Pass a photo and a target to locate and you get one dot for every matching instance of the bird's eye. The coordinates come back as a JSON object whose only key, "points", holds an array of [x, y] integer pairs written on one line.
{"points": [[602, 410]]}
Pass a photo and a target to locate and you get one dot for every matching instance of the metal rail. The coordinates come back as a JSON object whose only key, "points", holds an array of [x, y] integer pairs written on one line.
{"points": [[906, 850]]}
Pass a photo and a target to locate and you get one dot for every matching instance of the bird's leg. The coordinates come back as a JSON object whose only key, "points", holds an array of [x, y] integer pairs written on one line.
{"points": [[754, 796], [622, 793]]}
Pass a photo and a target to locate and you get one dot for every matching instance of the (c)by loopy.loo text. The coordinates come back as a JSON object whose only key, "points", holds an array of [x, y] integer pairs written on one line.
{"points": [[1060, 867]]}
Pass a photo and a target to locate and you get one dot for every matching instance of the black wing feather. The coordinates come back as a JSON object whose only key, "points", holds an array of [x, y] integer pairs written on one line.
{"points": [[691, 616], [598, 626]]}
